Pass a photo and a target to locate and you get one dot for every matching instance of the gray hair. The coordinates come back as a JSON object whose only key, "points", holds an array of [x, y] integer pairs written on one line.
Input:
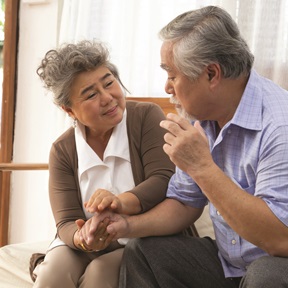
{"points": [[59, 67], [205, 36]]}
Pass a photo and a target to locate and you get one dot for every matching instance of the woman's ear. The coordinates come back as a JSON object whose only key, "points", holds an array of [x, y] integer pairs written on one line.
{"points": [[69, 111]]}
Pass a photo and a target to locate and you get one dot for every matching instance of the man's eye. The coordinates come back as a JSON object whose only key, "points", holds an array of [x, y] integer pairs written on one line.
{"points": [[171, 78]]}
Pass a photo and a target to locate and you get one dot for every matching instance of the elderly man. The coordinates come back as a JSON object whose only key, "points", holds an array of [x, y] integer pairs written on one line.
{"points": [[232, 154]]}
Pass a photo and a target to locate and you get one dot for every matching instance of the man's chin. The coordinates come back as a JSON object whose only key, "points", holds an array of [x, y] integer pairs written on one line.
{"points": [[181, 112]]}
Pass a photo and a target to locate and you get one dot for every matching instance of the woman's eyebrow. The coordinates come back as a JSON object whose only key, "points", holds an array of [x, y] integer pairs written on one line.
{"points": [[87, 89], [92, 86], [105, 76]]}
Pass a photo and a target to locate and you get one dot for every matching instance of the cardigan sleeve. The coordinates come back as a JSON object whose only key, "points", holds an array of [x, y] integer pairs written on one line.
{"points": [[152, 168], [64, 189]]}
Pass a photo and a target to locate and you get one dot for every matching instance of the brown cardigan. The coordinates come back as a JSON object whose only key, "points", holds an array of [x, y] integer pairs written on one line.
{"points": [[151, 167]]}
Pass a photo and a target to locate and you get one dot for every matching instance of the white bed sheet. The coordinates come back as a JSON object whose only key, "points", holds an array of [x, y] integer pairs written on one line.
{"points": [[14, 263]]}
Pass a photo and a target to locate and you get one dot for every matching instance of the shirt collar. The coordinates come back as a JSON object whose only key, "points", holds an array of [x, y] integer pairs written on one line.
{"points": [[117, 146], [249, 111]]}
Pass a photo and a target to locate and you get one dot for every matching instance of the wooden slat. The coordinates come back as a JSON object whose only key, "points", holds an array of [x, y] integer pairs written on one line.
{"points": [[23, 166], [8, 106], [163, 102]]}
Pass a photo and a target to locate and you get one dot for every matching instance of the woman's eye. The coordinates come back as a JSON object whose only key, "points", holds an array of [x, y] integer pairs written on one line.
{"points": [[91, 95], [109, 84]]}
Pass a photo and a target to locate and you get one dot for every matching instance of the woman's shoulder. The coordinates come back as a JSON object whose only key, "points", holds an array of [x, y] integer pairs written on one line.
{"points": [[65, 141], [146, 114]]}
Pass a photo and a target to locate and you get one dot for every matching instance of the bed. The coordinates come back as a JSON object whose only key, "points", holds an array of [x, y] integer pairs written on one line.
{"points": [[14, 263]]}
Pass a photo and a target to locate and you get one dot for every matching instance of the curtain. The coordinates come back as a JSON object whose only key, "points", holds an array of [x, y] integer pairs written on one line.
{"points": [[130, 29]]}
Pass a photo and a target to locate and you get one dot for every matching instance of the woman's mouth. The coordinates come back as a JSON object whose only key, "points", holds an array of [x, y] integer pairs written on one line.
{"points": [[111, 110]]}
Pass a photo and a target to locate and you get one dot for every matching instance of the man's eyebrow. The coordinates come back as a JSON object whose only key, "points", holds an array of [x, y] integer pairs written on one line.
{"points": [[92, 86], [165, 67]]}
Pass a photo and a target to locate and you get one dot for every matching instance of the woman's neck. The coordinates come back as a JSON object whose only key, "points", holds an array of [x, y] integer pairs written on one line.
{"points": [[98, 141]]}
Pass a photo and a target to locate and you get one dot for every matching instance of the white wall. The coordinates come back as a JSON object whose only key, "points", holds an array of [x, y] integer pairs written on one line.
{"points": [[30, 215]]}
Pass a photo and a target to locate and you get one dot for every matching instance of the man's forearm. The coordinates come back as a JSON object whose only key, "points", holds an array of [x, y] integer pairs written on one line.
{"points": [[168, 217]]}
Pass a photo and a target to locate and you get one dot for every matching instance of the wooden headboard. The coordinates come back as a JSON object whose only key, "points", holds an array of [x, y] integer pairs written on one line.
{"points": [[9, 167], [164, 103]]}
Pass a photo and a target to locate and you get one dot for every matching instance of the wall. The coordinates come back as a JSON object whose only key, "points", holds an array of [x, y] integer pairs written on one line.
{"points": [[30, 215]]}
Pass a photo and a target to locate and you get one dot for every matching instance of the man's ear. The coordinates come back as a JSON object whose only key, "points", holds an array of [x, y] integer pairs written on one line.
{"points": [[213, 73]]}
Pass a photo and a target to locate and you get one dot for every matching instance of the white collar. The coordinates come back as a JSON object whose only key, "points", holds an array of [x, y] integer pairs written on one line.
{"points": [[117, 146]]}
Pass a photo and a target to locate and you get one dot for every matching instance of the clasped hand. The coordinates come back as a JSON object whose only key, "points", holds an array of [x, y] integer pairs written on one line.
{"points": [[93, 232]]}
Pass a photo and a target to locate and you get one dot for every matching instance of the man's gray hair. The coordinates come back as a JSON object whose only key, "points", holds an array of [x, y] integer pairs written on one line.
{"points": [[205, 36]]}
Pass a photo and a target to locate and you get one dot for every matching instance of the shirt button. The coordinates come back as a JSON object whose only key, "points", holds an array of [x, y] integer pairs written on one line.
{"points": [[233, 241], [218, 213], [229, 131]]}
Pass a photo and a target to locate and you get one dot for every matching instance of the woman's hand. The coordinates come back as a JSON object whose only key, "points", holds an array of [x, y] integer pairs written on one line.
{"points": [[103, 199], [96, 228], [96, 241]]}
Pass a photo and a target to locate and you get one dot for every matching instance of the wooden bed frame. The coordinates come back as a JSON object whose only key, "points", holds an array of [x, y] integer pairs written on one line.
{"points": [[9, 167], [164, 103]]}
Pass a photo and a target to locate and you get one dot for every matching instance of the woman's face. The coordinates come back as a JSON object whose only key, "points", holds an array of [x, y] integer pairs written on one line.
{"points": [[97, 100]]}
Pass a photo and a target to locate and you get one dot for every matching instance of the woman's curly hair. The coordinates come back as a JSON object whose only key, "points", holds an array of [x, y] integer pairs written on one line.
{"points": [[59, 67]]}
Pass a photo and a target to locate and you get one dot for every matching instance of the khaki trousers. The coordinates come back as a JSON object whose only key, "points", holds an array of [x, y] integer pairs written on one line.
{"points": [[65, 267]]}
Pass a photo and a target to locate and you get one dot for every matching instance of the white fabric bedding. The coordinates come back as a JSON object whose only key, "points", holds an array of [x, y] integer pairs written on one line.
{"points": [[204, 224], [14, 263]]}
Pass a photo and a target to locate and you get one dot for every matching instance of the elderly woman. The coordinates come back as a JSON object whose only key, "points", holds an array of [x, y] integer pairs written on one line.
{"points": [[111, 158]]}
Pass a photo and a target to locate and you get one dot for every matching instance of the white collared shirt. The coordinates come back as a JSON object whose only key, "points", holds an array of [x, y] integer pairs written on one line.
{"points": [[114, 173]]}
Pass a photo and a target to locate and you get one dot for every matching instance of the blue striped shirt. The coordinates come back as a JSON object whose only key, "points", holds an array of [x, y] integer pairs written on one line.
{"points": [[252, 150]]}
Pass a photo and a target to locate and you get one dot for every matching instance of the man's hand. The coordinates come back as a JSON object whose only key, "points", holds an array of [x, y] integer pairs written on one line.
{"points": [[186, 145], [107, 225]]}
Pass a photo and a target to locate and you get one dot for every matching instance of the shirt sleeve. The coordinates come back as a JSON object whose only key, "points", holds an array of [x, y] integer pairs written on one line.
{"points": [[184, 189], [272, 172]]}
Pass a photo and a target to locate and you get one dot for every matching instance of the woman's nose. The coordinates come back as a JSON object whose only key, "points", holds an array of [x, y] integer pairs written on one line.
{"points": [[106, 97]]}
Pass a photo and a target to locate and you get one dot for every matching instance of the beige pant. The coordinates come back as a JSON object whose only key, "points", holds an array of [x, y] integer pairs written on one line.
{"points": [[64, 267]]}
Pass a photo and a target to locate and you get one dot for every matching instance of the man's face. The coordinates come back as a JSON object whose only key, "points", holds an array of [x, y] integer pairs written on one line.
{"points": [[192, 96]]}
